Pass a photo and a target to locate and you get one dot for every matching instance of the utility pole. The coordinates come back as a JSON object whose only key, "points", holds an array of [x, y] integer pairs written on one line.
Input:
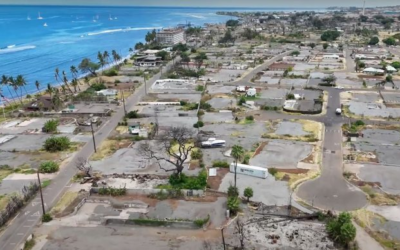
{"points": [[41, 194], [145, 84], [94, 141], [223, 238], [123, 100]]}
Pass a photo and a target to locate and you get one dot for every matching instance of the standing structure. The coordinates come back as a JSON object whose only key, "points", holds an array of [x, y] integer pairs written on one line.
{"points": [[363, 9]]}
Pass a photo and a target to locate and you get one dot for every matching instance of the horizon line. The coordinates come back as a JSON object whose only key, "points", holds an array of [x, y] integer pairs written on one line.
{"points": [[161, 6]]}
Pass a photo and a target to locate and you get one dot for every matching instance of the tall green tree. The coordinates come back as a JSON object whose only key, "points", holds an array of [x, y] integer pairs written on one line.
{"points": [[237, 153], [87, 66], [5, 81], [37, 84]]}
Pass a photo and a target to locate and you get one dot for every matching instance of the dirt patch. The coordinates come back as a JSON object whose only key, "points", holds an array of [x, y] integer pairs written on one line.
{"points": [[293, 171], [194, 164], [309, 159], [260, 148], [215, 181], [68, 200], [109, 147]]}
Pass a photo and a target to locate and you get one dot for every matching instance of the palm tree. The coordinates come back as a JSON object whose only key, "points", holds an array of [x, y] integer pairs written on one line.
{"points": [[21, 83], [57, 75], [13, 83], [106, 56], [56, 99], [49, 90], [65, 80], [37, 84], [100, 57], [237, 153], [6, 82], [74, 84], [115, 56]]}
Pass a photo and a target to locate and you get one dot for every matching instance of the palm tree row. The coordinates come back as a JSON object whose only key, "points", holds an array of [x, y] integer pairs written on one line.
{"points": [[16, 84]]}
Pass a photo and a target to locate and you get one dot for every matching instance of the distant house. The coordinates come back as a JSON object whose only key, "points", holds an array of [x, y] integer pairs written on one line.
{"points": [[110, 94], [148, 61], [280, 66], [331, 56], [43, 103]]}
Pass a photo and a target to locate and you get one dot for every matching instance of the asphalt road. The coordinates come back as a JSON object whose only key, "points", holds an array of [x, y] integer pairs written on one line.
{"points": [[330, 190], [22, 225]]}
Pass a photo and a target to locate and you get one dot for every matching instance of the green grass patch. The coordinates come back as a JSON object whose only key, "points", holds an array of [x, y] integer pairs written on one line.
{"points": [[29, 244], [45, 183]]}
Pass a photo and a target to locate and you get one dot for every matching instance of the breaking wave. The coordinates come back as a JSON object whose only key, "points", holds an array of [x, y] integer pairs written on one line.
{"points": [[121, 30], [13, 48]]}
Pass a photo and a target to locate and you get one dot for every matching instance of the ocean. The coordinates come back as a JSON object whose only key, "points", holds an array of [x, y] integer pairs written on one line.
{"points": [[37, 39]]}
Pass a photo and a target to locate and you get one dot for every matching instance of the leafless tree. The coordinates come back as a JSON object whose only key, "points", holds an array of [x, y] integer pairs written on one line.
{"points": [[83, 165], [174, 147], [240, 232]]}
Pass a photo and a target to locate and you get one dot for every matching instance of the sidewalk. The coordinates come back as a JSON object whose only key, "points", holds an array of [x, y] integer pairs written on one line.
{"points": [[364, 241]]}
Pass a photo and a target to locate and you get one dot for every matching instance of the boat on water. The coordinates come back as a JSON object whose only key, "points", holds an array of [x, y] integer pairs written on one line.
{"points": [[39, 17], [94, 20], [110, 17], [28, 18], [45, 25]]}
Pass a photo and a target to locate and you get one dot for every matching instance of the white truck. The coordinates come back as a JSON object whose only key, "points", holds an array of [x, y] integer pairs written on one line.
{"points": [[213, 143], [338, 111], [249, 170]]}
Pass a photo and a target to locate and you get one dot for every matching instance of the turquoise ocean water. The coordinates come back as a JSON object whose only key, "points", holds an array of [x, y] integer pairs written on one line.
{"points": [[34, 40]]}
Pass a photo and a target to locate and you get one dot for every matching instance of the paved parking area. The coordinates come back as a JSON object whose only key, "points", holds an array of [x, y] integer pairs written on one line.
{"points": [[268, 191], [290, 128], [219, 89], [218, 117], [282, 154], [222, 102]]}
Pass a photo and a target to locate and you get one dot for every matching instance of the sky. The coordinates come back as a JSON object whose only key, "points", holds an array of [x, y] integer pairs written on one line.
{"points": [[211, 3]]}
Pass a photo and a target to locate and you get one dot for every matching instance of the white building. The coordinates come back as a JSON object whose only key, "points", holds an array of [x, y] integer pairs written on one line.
{"points": [[170, 36]]}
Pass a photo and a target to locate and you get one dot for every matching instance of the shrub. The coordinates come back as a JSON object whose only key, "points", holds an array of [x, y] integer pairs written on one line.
{"points": [[341, 229], [200, 113], [242, 101], [183, 181], [54, 144], [199, 88], [112, 191], [202, 222], [97, 86], [48, 167], [290, 96], [196, 154], [132, 114], [47, 218], [198, 124], [110, 72], [246, 159], [220, 164], [250, 118], [275, 108], [183, 103], [233, 204], [206, 106], [233, 191], [272, 171], [50, 126], [266, 108], [359, 123], [248, 193]]}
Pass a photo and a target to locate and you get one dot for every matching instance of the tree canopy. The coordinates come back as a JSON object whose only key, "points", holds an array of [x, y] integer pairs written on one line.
{"points": [[87, 66], [373, 41], [330, 35]]}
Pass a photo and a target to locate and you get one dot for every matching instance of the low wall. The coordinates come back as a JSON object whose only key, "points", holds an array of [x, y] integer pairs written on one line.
{"points": [[186, 192], [152, 223]]}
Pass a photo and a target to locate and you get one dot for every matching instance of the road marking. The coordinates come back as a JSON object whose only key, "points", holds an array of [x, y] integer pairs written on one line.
{"points": [[27, 212], [20, 234], [34, 203], [36, 214], [31, 220], [28, 226]]}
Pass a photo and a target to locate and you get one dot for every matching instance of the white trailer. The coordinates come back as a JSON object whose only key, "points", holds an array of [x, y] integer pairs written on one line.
{"points": [[249, 170]]}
